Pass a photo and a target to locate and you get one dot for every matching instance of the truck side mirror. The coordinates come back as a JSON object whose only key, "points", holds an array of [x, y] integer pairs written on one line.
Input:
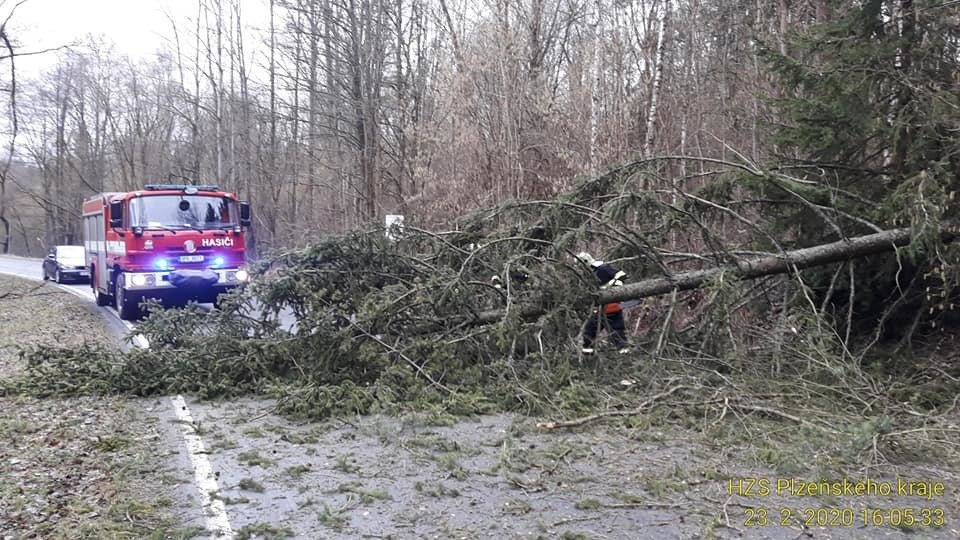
{"points": [[245, 214], [116, 214]]}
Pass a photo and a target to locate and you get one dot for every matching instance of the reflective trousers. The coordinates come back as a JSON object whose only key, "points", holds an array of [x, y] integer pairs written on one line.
{"points": [[611, 321]]}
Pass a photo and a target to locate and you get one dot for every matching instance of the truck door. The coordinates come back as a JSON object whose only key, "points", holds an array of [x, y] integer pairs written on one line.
{"points": [[95, 242], [103, 275]]}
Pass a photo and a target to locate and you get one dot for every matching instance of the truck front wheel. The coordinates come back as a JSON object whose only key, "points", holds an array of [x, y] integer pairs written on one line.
{"points": [[127, 308]]}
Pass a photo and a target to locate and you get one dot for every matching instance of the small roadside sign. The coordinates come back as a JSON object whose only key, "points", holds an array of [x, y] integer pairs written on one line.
{"points": [[394, 225]]}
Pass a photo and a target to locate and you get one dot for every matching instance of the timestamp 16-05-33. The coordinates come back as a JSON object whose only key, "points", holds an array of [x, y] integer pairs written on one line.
{"points": [[845, 517]]}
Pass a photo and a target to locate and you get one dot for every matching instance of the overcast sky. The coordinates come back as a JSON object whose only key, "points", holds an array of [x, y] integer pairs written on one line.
{"points": [[137, 27]]}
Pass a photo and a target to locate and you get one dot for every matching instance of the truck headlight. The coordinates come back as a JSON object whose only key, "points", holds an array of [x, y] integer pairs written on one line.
{"points": [[242, 275], [138, 280]]}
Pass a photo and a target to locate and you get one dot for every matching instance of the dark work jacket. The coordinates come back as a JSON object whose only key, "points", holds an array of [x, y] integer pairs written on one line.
{"points": [[609, 277]]}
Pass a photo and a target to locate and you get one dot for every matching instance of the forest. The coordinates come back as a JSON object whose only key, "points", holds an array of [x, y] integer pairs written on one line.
{"points": [[786, 169], [329, 115]]}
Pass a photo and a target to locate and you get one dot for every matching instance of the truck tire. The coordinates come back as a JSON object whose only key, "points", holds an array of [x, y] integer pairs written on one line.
{"points": [[127, 308], [101, 298]]}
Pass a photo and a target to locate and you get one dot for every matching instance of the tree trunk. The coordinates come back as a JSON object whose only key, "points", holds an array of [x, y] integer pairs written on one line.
{"points": [[903, 113], [275, 186], [12, 89], [657, 78], [799, 259]]}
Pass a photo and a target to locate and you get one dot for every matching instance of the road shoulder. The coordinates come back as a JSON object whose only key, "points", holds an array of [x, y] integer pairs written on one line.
{"points": [[91, 466]]}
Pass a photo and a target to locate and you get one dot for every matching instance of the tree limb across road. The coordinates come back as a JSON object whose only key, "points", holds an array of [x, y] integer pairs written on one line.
{"points": [[841, 250]]}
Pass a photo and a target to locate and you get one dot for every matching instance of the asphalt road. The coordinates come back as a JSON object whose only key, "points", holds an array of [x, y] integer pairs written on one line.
{"points": [[31, 269]]}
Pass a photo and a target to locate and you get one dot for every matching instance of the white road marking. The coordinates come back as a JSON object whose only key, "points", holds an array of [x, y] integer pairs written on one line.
{"points": [[215, 513], [206, 482], [138, 339]]}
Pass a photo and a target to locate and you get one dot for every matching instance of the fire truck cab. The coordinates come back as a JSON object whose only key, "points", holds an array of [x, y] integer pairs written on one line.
{"points": [[171, 242]]}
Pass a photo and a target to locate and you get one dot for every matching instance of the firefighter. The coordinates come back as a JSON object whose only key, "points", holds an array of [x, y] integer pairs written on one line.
{"points": [[611, 315], [516, 276]]}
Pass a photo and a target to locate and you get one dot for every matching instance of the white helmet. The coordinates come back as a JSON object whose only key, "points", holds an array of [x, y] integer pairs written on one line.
{"points": [[585, 257]]}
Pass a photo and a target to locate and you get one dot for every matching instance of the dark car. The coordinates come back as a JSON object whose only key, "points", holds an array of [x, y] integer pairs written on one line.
{"points": [[66, 263]]}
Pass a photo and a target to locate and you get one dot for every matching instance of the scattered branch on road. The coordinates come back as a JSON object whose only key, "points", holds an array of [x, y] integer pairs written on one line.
{"points": [[643, 407]]}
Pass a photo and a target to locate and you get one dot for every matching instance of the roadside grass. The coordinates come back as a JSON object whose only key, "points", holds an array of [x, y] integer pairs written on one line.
{"points": [[82, 467]]}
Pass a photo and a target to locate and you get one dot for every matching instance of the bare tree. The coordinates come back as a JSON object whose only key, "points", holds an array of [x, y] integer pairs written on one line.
{"points": [[9, 57], [364, 107], [662, 17]]}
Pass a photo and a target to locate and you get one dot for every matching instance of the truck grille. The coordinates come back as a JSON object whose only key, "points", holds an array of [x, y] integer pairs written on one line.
{"points": [[176, 252]]}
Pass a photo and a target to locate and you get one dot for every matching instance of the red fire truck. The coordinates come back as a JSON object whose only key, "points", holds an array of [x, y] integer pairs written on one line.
{"points": [[172, 242]]}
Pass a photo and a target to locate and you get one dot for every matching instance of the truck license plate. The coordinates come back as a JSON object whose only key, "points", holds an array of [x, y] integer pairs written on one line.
{"points": [[191, 258]]}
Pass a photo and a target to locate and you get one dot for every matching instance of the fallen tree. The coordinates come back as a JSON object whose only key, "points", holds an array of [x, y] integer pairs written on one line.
{"points": [[389, 326], [416, 325], [799, 259]]}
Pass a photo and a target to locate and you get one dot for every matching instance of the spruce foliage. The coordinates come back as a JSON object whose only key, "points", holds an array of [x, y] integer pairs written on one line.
{"points": [[869, 112]]}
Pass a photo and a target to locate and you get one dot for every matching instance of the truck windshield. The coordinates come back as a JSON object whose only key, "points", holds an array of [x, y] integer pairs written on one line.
{"points": [[183, 212]]}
